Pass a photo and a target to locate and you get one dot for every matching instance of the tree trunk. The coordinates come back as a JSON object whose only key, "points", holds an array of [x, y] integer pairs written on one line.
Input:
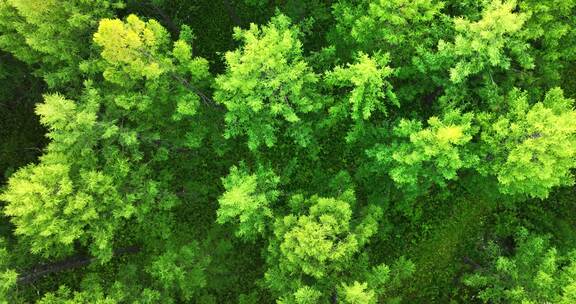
{"points": [[70, 263]]}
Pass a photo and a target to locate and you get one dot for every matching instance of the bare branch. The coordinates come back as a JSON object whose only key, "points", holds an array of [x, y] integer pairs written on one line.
{"points": [[70, 263]]}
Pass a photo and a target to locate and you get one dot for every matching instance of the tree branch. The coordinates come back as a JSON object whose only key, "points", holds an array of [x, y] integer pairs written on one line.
{"points": [[156, 10], [70, 263], [232, 13], [205, 99]]}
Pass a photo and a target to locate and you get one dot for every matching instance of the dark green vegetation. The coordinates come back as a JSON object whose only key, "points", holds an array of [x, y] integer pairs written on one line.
{"points": [[287, 151]]}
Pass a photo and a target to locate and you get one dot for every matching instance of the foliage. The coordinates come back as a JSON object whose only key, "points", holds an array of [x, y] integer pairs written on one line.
{"points": [[247, 201], [65, 296], [55, 203], [53, 34], [7, 275], [369, 89], [267, 87], [180, 271], [431, 156], [398, 26], [536, 273], [531, 147], [287, 151], [132, 48], [489, 42], [324, 244]]}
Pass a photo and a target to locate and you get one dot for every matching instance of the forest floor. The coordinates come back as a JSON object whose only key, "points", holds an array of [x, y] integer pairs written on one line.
{"points": [[441, 257]]}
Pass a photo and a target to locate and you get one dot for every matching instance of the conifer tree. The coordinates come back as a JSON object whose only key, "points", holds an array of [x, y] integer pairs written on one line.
{"points": [[491, 42], [370, 91], [422, 157]]}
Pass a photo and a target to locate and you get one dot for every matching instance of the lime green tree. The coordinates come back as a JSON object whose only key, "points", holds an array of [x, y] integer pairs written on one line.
{"points": [[318, 240], [103, 178], [489, 43], [422, 157], [53, 36], [530, 148], [536, 273], [370, 92], [268, 87]]}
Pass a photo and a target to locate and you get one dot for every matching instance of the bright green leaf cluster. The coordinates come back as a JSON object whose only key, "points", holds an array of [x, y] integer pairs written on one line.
{"points": [[432, 155], [248, 200], [532, 148], [536, 273], [267, 87], [489, 42], [370, 91], [131, 48], [51, 33]]}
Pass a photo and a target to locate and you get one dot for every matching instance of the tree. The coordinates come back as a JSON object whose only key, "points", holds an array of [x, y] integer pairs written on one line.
{"points": [[406, 30], [268, 87], [324, 244], [180, 271], [530, 148], [52, 34], [98, 167], [58, 202], [248, 201], [398, 26], [484, 55], [490, 42], [422, 157], [536, 273], [552, 46], [65, 296], [369, 91], [357, 293]]}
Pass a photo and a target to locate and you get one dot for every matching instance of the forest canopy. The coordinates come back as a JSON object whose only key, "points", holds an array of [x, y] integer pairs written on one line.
{"points": [[287, 151]]}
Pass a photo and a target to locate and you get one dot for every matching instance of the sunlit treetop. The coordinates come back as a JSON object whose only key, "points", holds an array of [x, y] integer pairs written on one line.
{"points": [[491, 42], [268, 87], [132, 47], [531, 148]]}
